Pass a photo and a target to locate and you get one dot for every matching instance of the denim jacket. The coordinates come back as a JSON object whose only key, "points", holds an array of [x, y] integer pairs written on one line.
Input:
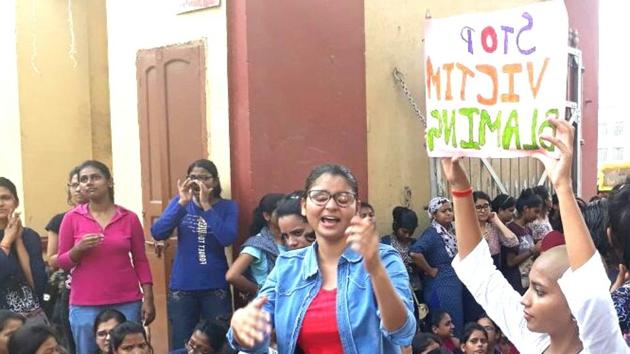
{"points": [[296, 280]]}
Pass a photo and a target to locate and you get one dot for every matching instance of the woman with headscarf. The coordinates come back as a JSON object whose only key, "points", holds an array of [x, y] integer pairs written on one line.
{"points": [[432, 253]]}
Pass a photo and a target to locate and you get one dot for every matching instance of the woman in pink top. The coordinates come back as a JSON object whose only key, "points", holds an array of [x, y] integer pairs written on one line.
{"points": [[493, 229], [96, 241]]}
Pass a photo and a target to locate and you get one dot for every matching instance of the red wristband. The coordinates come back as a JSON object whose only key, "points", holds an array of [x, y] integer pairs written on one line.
{"points": [[463, 193]]}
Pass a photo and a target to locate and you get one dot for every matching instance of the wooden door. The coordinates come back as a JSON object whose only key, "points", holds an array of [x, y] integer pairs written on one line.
{"points": [[173, 133]]}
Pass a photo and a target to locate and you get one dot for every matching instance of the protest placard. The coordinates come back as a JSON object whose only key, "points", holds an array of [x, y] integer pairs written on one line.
{"points": [[493, 79]]}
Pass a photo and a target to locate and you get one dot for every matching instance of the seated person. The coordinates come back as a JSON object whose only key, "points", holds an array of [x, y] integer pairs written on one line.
{"points": [[208, 337], [424, 343]]}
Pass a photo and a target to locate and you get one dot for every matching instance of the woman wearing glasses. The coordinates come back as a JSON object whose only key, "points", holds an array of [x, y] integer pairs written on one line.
{"points": [[433, 252], [347, 293], [497, 235], [206, 224], [207, 338], [61, 278], [104, 323], [493, 229]]}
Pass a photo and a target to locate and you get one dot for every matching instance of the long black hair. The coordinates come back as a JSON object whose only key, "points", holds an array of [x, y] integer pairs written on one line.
{"points": [[334, 170], [596, 220], [267, 205], [6, 316], [118, 334], [6, 183], [528, 199], [437, 316], [108, 314], [212, 170], [103, 169], [215, 331], [543, 193], [619, 220], [422, 341], [29, 338], [404, 218], [469, 329], [502, 202], [481, 195], [290, 204]]}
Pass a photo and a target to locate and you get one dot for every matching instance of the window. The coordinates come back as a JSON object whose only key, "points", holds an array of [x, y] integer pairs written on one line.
{"points": [[602, 130], [618, 153], [618, 131], [601, 154]]}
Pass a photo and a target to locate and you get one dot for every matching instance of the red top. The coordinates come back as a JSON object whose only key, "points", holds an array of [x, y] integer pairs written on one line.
{"points": [[449, 345], [319, 333], [552, 239]]}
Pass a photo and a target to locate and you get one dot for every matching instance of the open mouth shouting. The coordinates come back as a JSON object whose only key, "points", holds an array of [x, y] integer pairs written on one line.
{"points": [[329, 221]]}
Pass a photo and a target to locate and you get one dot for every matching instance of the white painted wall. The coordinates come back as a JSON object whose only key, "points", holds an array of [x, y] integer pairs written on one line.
{"points": [[613, 77], [10, 135], [143, 24]]}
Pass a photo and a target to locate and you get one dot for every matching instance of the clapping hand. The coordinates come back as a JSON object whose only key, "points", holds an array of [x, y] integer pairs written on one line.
{"points": [[251, 324], [364, 239]]}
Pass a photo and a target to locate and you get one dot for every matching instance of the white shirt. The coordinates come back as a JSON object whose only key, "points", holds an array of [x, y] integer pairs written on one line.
{"points": [[586, 290]]}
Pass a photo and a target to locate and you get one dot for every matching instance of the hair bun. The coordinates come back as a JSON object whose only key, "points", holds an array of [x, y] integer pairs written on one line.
{"points": [[398, 211]]}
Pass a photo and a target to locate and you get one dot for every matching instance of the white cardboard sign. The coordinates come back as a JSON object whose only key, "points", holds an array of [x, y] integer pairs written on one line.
{"points": [[493, 79]]}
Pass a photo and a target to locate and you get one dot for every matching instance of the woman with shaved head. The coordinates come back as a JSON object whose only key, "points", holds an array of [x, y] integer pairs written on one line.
{"points": [[557, 313]]}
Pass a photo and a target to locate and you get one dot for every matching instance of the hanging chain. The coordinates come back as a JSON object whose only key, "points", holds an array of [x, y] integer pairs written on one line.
{"points": [[398, 76]]}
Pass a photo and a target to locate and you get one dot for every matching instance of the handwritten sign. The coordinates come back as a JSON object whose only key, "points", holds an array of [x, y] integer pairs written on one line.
{"points": [[492, 80]]}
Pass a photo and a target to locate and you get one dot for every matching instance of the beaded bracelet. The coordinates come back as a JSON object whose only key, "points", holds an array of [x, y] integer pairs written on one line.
{"points": [[463, 193]]}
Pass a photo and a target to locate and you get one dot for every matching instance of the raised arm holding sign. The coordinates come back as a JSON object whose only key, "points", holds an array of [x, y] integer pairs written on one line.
{"points": [[492, 81]]}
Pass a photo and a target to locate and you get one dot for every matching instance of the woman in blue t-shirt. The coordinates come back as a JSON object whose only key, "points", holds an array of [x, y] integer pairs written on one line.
{"points": [[258, 254], [206, 224]]}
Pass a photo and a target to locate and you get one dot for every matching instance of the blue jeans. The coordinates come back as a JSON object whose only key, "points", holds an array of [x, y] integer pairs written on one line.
{"points": [[82, 322], [187, 308]]}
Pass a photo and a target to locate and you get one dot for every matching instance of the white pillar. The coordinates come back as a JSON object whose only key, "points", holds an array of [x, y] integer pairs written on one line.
{"points": [[10, 133]]}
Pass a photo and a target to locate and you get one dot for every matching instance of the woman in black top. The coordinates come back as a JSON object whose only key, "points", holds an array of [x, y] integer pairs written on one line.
{"points": [[22, 270], [58, 307]]}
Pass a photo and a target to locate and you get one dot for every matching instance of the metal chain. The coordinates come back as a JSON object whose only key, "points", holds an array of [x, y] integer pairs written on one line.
{"points": [[399, 77]]}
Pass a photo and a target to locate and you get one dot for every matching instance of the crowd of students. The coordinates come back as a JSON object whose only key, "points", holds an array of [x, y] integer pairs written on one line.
{"points": [[488, 275]]}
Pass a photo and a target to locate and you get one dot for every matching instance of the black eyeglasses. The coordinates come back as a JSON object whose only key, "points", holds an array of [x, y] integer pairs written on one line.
{"points": [[321, 197], [202, 178], [482, 206]]}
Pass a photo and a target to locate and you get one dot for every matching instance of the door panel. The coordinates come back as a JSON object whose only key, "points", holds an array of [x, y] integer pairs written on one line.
{"points": [[171, 107]]}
